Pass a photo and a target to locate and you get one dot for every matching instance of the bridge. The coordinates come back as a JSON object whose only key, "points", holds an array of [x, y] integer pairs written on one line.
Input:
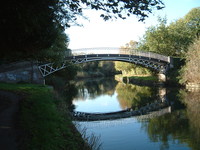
{"points": [[35, 72], [156, 62]]}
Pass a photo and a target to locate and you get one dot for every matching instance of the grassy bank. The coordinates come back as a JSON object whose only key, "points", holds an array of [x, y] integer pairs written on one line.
{"points": [[145, 78], [138, 80], [44, 126]]}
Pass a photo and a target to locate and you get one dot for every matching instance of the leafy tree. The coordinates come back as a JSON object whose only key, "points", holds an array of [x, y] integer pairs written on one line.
{"points": [[172, 39], [158, 39], [57, 50], [192, 20], [190, 73], [180, 37]]}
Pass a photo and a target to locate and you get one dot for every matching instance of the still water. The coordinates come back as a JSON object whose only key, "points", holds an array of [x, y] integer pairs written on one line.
{"points": [[177, 129]]}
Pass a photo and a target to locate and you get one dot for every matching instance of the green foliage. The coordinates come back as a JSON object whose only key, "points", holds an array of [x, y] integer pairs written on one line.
{"points": [[181, 37], [67, 73], [96, 69], [157, 38], [45, 126], [174, 73], [107, 68], [191, 71], [128, 68], [56, 52], [152, 78], [172, 39], [192, 20]]}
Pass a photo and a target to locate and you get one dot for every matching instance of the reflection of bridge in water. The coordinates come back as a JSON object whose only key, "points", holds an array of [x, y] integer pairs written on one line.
{"points": [[154, 109], [121, 121]]}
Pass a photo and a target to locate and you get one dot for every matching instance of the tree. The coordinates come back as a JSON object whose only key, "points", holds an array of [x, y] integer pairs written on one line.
{"points": [[184, 31], [180, 37], [28, 27], [192, 20], [158, 39], [172, 39], [190, 73]]}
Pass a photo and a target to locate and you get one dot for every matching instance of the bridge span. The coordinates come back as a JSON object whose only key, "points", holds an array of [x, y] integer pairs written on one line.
{"points": [[156, 62]]}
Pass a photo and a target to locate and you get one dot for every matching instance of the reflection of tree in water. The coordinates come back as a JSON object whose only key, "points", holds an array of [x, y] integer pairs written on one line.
{"points": [[92, 88], [182, 125], [134, 96], [192, 101], [166, 128]]}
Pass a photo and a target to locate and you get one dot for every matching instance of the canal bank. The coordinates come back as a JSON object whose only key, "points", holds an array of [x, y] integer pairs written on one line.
{"points": [[42, 121]]}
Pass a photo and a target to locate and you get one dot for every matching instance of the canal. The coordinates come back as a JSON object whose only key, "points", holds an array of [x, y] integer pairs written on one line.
{"points": [[178, 128]]}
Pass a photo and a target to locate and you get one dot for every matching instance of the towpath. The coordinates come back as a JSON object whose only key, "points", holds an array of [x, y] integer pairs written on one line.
{"points": [[9, 105]]}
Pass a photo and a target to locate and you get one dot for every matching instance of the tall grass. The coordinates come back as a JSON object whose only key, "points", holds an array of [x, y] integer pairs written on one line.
{"points": [[93, 141]]}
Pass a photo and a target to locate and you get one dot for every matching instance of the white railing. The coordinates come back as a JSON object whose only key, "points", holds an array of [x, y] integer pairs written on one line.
{"points": [[110, 50]]}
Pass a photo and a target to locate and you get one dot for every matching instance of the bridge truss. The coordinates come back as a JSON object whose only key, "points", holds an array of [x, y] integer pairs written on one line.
{"points": [[158, 63]]}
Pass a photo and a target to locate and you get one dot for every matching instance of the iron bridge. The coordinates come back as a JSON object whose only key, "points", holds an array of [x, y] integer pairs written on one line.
{"points": [[156, 62]]}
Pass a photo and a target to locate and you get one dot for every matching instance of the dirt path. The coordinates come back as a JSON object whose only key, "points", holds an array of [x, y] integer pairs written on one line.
{"points": [[8, 112]]}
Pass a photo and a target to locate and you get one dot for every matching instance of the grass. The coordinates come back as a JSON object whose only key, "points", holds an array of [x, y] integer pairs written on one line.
{"points": [[45, 127]]}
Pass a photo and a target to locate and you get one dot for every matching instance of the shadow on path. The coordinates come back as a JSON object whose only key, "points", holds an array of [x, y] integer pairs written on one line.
{"points": [[9, 105]]}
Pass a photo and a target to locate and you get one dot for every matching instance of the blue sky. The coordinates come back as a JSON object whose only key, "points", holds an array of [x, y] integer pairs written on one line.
{"points": [[98, 33]]}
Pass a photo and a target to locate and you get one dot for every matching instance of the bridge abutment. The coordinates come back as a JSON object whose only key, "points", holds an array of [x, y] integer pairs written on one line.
{"points": [[21, 72]]}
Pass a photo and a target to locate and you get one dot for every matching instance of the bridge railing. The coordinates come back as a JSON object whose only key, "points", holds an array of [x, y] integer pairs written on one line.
{"points": [[88, 51]]}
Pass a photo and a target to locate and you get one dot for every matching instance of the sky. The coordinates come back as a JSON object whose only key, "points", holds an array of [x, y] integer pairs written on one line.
{"points": [[96, 32]]}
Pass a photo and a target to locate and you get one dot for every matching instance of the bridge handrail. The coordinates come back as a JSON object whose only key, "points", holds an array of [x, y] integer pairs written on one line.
{"points": [[87, 51]]}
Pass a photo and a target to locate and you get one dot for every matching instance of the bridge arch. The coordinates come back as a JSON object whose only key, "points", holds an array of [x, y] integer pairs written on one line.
{"points": [[157, 62]]}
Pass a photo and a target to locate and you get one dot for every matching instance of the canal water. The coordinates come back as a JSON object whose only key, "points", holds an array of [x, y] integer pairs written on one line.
{"points": [[178, 128]]}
